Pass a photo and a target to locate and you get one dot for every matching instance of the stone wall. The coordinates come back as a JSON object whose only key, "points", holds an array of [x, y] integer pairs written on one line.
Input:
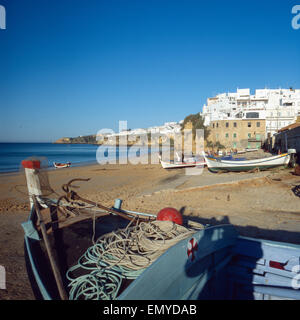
{"points": [[238, 133]]}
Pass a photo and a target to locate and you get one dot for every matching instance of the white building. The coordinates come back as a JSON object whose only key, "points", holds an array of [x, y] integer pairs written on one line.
{"points": [[169, 128], [280, 107]]}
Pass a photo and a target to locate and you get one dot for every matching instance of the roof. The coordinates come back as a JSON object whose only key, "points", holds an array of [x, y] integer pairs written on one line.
{"points": [[289, 127]]}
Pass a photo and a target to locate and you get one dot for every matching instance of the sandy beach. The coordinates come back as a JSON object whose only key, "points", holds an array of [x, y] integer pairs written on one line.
{"points": [[261, 204]]}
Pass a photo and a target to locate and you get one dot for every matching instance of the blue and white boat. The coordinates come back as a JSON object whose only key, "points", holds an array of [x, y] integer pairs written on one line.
{"points": [[216, 164]]}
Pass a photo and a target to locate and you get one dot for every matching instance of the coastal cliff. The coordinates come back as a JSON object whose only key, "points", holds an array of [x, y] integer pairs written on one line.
{"points": [[63, 140], [91, 139]]}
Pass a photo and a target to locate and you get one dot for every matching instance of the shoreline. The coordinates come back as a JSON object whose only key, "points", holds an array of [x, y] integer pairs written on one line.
{"points": [[79, 165], [116, 157], [20, 171]]}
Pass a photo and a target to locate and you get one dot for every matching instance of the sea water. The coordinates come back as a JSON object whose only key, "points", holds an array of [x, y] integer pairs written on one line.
{"points": [[11, 154]]}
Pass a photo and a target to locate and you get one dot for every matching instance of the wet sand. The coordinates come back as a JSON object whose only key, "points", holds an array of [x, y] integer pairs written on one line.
{"points": [[263, 204]]}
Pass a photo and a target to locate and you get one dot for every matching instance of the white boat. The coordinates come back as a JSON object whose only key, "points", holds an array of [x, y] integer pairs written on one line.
{"points": [[190, 162], [61, 165], [215, 164], [251, 149]]}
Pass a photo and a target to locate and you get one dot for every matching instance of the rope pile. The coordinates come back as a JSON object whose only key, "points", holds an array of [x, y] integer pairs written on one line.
{"points": [[123, 254]]}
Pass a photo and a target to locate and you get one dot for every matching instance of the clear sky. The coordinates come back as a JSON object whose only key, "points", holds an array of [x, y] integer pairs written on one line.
{"points": [[73, 67]]}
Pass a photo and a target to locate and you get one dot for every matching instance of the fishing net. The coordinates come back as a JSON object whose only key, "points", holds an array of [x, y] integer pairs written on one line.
{"points": [[36, 171]]}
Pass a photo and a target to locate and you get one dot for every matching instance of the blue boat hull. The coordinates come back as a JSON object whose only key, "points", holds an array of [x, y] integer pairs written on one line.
{"points": [[215, 263]]}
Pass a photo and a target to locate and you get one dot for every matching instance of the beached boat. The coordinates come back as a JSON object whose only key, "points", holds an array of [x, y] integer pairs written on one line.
{"points": [[191, 162], [251, 149], [61, 165], [214, 262], [181, 162], [215, 164]]}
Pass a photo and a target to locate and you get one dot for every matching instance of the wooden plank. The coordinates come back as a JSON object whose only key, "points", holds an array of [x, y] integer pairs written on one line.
{"points": [[54, 266]]}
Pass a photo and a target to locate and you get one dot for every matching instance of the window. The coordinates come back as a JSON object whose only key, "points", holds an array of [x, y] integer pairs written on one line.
{"points": [[227, 135], [252, 115], [234, 145], [227, 124], [234, 135], [249, 124], [249, 135], [258, 124], [234, 124], [213, 125], [217, 125]]}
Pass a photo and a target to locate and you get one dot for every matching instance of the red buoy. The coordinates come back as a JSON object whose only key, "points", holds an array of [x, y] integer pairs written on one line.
{"points": [[170, 214]]}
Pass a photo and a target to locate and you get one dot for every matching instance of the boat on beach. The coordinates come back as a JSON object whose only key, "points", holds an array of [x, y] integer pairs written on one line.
{"points": [[215, 164], [185, 164], [181, 162], [69, 247], [61, 165], [251, 149]]}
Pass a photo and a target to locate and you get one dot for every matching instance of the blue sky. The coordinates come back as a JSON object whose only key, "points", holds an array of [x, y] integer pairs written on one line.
{"points": [[73, 67]]}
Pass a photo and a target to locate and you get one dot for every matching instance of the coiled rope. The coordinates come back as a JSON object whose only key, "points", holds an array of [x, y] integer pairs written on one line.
{"points": [[123, 254]]}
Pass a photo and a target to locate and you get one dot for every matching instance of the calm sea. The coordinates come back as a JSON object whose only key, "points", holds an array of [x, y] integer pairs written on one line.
{"points": [[11, 154]]}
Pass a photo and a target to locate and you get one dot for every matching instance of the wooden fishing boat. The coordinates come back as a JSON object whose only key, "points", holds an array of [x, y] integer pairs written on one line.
{"points": [[251, 149], [215, 164], [189, 162], [61, 165], [214, 262]]}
